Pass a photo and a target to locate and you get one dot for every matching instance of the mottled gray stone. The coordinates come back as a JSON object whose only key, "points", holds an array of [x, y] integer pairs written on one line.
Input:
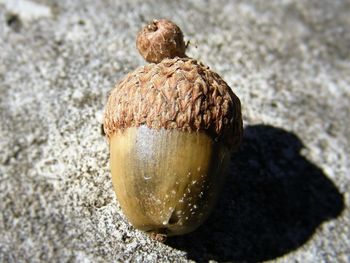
{"points": [[287, 194]]}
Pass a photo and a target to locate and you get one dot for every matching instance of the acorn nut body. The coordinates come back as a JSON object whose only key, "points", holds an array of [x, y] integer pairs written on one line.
{"points": [[166, 181], [171, 127]]}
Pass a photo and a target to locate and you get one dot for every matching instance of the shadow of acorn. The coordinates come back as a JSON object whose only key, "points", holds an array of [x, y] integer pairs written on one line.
{"points": [[272, 203]]}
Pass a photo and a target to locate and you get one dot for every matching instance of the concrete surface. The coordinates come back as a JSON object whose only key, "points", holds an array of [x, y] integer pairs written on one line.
{"points": [[287, 195]]}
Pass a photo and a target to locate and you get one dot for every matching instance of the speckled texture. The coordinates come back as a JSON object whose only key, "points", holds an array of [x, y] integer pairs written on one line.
{"points": [[287, 196]]}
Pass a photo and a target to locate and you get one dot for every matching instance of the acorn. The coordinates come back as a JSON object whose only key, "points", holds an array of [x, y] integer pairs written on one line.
{"points": [[172, 126], [159, 40]]}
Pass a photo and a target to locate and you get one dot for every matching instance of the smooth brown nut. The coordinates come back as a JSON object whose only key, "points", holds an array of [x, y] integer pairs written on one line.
{"points": [[166, 181], [160, 39]]}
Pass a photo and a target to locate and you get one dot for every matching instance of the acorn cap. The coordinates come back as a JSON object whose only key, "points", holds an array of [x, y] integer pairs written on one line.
{"points": [[180, 94]]}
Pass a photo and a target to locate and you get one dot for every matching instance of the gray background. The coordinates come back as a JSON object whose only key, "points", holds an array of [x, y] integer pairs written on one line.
{"points": [[287, 194]]}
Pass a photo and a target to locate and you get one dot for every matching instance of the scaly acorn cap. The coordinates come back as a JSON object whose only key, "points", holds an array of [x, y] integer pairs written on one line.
{"points": [[177, 93]]}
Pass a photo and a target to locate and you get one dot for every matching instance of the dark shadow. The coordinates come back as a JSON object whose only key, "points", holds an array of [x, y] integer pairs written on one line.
{"points": [[273, 201]]}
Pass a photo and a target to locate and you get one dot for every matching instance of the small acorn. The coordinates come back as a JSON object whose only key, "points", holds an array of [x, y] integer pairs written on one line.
{"points": [[159, 40], [171, 127]]}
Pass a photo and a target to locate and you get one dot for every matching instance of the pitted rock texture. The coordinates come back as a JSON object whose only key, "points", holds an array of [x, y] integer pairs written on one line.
{"points": [[287, 195]]}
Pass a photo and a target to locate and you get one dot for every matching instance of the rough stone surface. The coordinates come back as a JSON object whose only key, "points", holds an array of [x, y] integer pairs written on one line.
{"points": [[287, 194]]}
